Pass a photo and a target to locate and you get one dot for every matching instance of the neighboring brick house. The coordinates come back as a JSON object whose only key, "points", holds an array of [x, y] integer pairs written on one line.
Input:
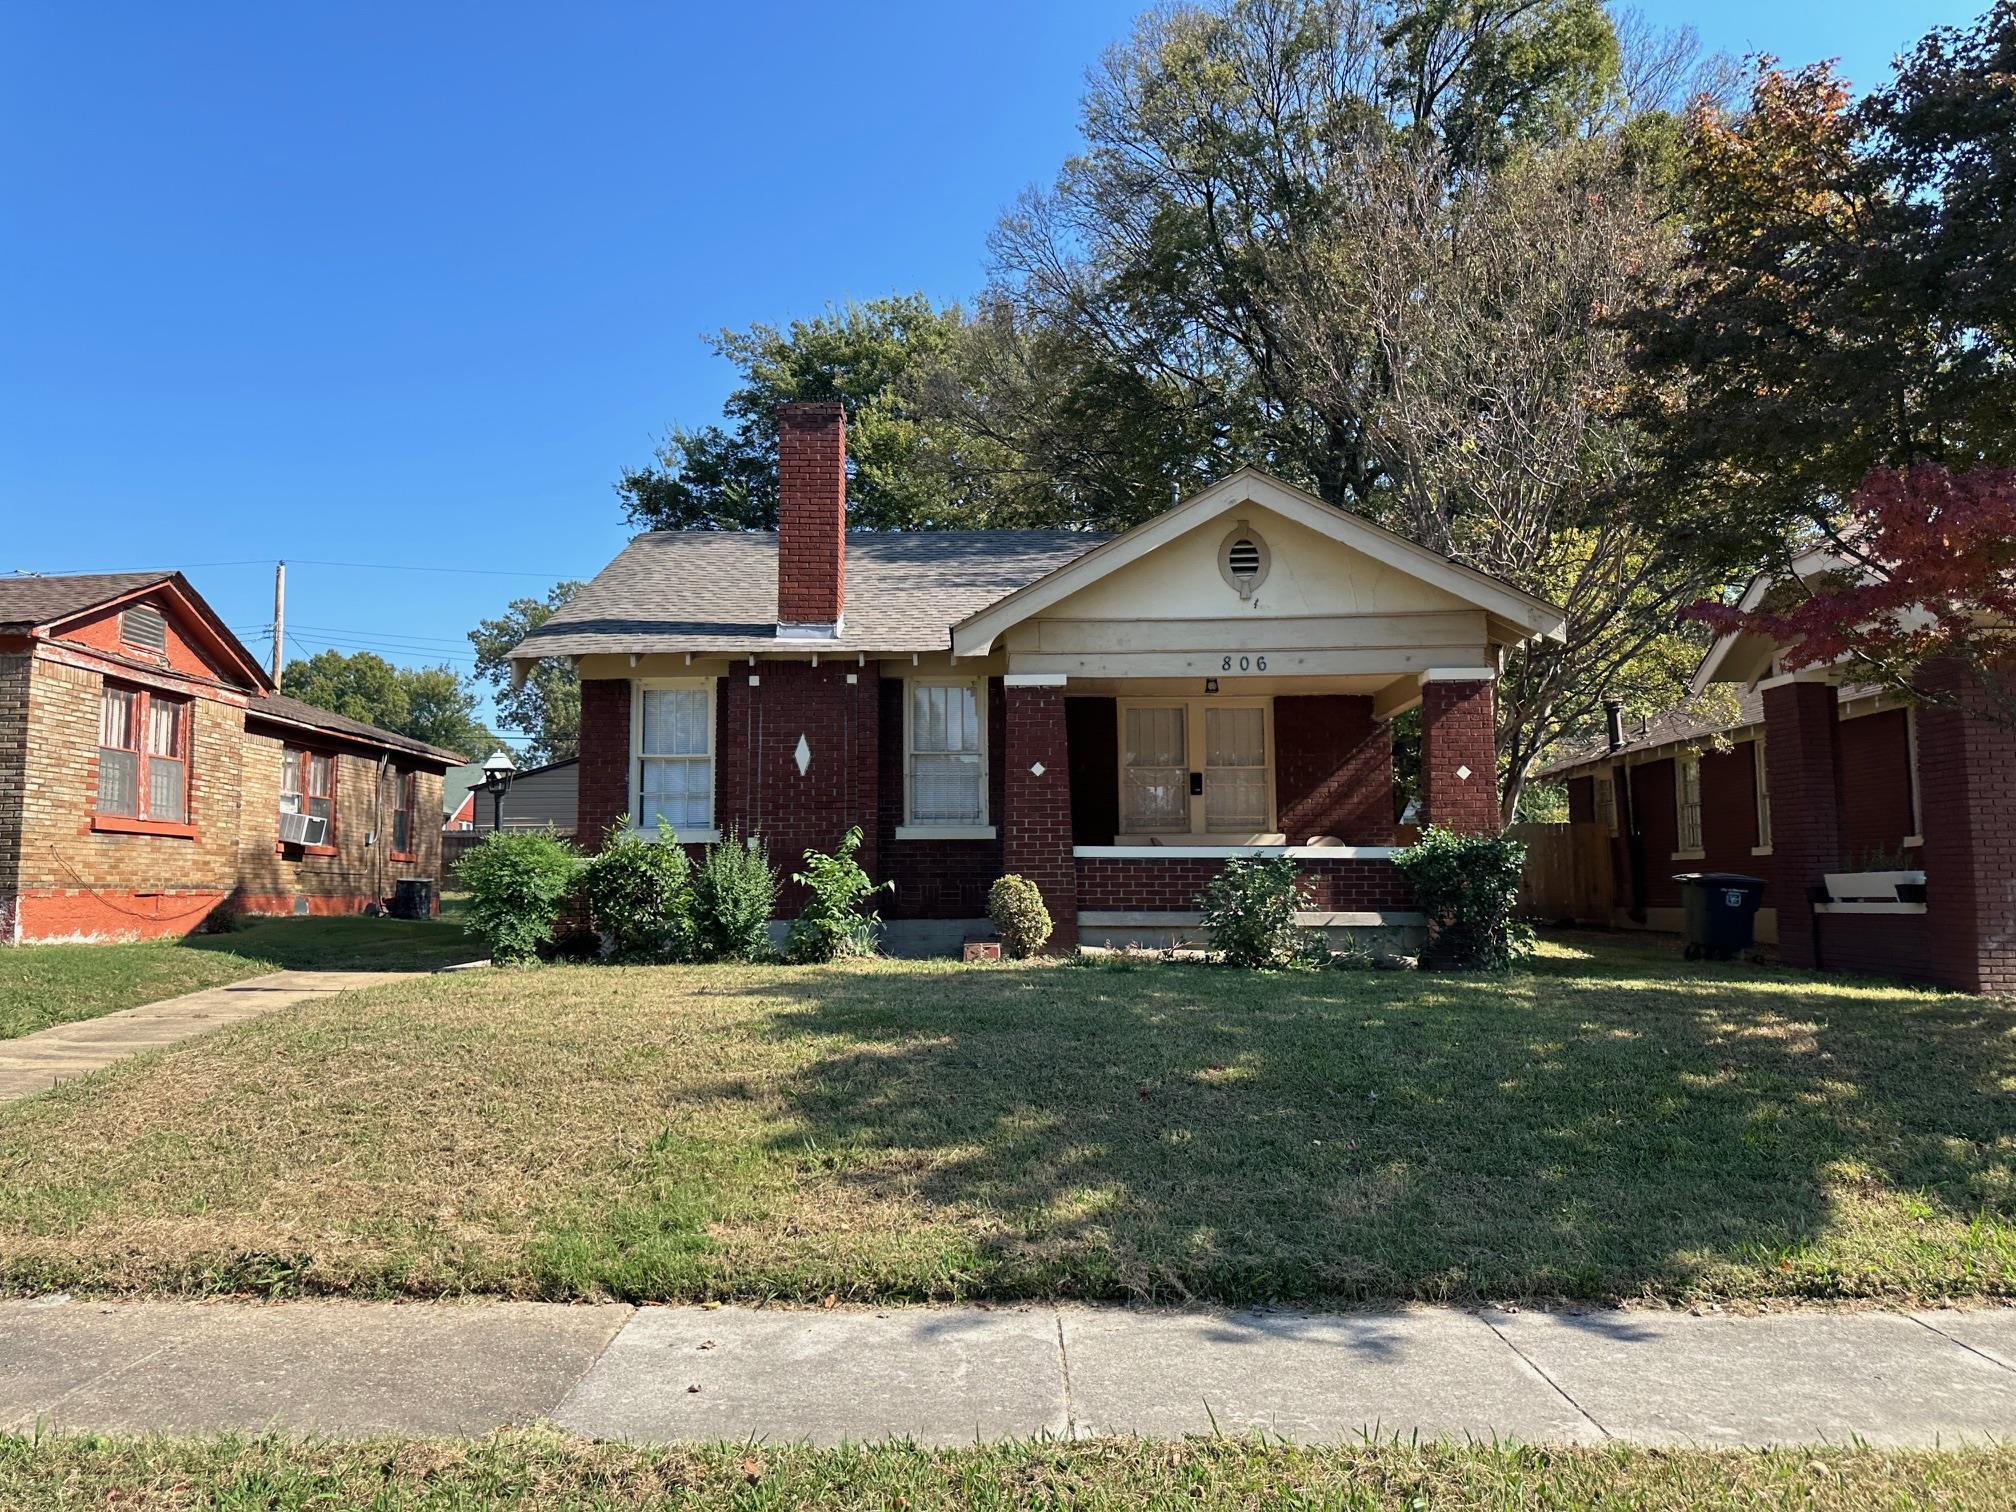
{"points": [[1813, 778], [150, 775], [1113, 718]]}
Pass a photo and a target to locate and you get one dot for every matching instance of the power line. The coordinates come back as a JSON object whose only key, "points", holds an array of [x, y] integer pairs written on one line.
{"points": [[305, 562]]}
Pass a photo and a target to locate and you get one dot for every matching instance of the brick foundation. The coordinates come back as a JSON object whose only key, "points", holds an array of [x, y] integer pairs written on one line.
{"points": [[1151, 884]]}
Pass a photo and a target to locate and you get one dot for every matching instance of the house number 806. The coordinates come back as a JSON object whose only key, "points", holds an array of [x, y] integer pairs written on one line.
{"points": [[1246, 664]]}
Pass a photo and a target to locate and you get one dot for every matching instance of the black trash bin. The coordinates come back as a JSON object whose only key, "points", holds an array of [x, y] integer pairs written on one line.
{"points": [[1721, 912], [413, 898]]}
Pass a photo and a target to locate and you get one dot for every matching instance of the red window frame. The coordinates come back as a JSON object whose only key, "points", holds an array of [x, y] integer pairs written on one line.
{"points": [[141, 725], [407, 813], [308, 760]]}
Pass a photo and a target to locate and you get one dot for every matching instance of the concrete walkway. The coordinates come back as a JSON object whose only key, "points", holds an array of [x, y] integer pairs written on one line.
{"points": [[36, 1062], [951, 1375]]}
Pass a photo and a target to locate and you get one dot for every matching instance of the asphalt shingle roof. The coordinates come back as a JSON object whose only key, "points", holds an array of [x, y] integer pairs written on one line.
{"points": [[717, 590], [26, 601], [293, 711]]}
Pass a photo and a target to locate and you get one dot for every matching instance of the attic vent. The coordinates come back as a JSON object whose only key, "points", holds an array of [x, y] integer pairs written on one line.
{"points": [[1243, 560], [143, 627]]}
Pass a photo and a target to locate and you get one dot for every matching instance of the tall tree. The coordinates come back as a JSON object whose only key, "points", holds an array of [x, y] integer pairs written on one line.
{"points": [[546, 706], [433, 704], [864, 355]]}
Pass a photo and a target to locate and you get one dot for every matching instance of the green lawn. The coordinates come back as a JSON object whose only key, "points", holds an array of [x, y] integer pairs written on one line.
{"points": [[546, 1471], [1612, 1124], [42, 985]]}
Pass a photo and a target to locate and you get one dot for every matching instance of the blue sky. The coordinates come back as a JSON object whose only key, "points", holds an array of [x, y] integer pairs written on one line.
{"points": [[408, 284]]}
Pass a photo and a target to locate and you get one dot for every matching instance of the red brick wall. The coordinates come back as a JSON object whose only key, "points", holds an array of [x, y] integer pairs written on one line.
{"points": [[1875, 785], [1457, 731], [1036, 810], [1658, 832], [811, 512], [1347, 885], [1898, 945], [1967, 773], [937, 879], [1334, 770], [605, 759], [758, 787], [1803, 749]]}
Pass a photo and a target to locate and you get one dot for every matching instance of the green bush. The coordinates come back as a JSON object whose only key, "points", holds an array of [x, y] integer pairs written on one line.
{"points": [[1467, 886], [734, 895], [518, 881], [639, 893], [1249, 914], [835, 920], [1015, 904]]}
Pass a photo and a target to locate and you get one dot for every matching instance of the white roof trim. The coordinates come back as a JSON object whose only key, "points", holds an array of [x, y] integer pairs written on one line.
{"points": [[975, 635], [1725, 645]]}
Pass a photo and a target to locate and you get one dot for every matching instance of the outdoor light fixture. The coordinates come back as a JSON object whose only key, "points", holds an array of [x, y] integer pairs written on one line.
{"points": [[497, 774]]}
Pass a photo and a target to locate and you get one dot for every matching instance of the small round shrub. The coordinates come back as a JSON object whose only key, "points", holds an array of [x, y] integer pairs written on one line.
{"points": [[1015, 905], [639, 893], [518, 881], [1249, 913], [1468, 885]]}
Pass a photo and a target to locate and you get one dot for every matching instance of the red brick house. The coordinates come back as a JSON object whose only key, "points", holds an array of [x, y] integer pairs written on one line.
{"points": [[150, 774], [1886, 826], [1112, 717]]}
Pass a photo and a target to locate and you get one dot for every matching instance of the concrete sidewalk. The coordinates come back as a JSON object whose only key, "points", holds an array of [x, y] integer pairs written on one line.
{"points": [[951, 1375], [36, 1062]]}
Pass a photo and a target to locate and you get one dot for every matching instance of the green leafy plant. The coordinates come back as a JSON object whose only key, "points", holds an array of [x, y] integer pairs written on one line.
{"points": [[1249, 913], [835, 920], [734, 895], [519, 882], [639, 893], [1467, 885], [1016, 907]]}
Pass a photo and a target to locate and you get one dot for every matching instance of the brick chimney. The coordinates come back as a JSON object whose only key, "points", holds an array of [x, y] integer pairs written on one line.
{"points": [[811, 518]]}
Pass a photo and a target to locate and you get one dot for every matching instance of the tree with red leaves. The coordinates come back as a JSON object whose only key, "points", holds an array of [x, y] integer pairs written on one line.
{"points": [[1927, 570]]}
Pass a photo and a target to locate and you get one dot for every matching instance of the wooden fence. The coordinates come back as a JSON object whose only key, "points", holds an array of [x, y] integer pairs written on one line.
{"points": [[1568, 875], [455, 844]]}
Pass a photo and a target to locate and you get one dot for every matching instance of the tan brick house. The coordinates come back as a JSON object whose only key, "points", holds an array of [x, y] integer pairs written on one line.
{"points": [[149, 774], [1112, 717]]}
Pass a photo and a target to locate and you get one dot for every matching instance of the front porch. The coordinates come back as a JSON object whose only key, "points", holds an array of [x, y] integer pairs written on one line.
{"points": [[1122, 800]]}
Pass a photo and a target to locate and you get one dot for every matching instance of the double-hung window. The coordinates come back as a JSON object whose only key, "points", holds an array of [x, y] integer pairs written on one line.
{"points": [[1687, 800], [143, 756], [945, 758], [673, 766], [405, 813], [307, 799], [1200, 767]]}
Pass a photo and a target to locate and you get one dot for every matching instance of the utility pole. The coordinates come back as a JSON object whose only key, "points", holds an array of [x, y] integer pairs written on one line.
{"points": [[279, 617]]}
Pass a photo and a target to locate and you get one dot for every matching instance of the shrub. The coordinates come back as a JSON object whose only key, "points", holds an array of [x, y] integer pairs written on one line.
{"points": [[639, 893], [835, 921], [1467, 885], [1015, 904], [518, 882], [1249, 914], [734, 895]]}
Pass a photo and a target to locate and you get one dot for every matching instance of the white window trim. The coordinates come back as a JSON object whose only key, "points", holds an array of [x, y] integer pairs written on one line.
{"points": [[635, 786], [1193, 746], [1690, 846], [1917, 834], [910, 829], [1761, 776]]}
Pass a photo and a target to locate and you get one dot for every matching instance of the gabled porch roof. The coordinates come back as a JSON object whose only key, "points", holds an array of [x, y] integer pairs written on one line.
{"points": [[1511, 616]]}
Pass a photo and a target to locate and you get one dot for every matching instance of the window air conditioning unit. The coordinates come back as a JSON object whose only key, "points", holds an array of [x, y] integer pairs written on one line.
{"points": [[303, 829]]}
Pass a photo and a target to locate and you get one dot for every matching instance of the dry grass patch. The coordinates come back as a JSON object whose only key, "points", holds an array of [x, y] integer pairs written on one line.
{"points": [[543, 1470], [1611, 1125]]}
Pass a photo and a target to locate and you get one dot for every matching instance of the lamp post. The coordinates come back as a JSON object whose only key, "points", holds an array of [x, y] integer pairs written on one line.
{"points": [[497, 774]]}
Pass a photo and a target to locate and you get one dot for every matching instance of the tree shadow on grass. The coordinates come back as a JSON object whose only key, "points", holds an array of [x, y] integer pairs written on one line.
{"points": [[1594, 1129], [344, 943]]}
